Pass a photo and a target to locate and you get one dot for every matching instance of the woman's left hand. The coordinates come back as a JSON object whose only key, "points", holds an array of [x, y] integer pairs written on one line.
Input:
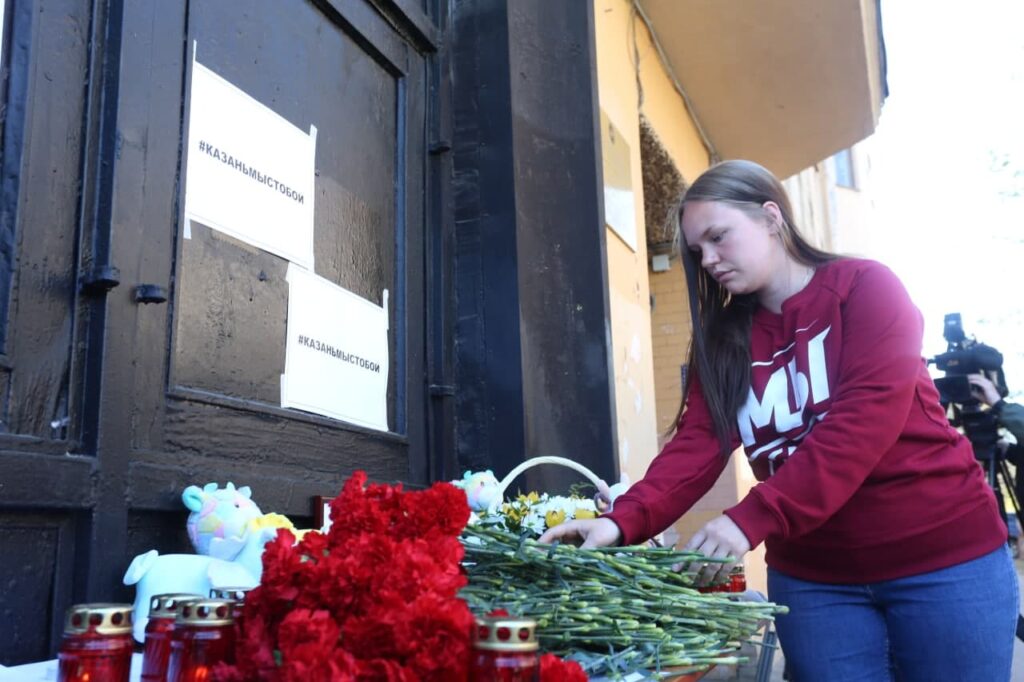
{"points": [[719, 538]]}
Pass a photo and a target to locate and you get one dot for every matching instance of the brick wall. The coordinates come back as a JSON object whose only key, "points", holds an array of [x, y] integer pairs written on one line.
{"points": [[670, 333]]}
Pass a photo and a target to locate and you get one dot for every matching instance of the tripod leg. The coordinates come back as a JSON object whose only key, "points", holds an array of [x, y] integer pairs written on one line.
{"points": [[1011, 489], [1013, 518]]}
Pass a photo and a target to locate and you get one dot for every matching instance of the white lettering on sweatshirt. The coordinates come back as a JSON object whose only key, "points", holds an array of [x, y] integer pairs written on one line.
{"points": [[786, 387]]}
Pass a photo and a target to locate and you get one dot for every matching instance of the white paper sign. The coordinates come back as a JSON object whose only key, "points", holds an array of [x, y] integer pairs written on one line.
{"points": [[250, 172], [619, 202], [336, 356]]}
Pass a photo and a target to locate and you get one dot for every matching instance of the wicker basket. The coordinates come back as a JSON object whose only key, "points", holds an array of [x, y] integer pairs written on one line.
{"points": [[548, 459]]}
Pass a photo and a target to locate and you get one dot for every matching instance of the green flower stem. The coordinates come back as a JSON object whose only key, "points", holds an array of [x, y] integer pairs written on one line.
{"points": [[626, 598]]}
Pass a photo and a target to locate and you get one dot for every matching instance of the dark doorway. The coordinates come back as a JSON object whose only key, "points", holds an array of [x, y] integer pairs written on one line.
{"points": [[110, 405]]}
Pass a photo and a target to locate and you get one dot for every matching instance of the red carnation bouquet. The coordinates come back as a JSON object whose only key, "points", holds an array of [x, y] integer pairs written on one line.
{"points": [[376, 598]]}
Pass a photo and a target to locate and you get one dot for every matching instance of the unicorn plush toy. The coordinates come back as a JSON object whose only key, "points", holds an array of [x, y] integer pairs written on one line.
{"points": [[219, 522], [229, 532], [481, 489]]}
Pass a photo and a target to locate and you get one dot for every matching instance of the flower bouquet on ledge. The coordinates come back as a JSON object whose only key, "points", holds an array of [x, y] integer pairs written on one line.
{"points": [[375, 598], [533, 513]]}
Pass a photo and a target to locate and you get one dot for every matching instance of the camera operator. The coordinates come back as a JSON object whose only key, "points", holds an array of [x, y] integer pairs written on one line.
{"points": [[1011, 417]]}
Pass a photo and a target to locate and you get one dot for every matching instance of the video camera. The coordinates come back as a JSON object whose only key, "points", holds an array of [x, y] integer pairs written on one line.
{"points": [[965, 356]]}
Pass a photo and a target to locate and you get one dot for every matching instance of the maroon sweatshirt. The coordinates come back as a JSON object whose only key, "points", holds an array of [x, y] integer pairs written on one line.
{"points": [[861, 478]]}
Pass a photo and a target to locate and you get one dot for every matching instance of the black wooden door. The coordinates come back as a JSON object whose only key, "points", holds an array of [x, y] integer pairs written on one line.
{"points": [[45, 480], [155, 396]]}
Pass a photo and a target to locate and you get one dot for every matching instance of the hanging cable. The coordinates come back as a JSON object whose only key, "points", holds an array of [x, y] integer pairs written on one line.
{"points": [[638, 11]]}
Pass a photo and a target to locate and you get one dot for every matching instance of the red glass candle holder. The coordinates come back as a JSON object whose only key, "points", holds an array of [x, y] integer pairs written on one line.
{"points": [[203, 636], [736, 582], [97, 644], [163, 610], [504, 650]]}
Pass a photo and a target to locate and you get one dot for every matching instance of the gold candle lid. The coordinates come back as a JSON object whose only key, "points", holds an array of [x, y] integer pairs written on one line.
{"points": [[236, 594], [505, 633], [206, 613], [168, 605], [106, 619]]}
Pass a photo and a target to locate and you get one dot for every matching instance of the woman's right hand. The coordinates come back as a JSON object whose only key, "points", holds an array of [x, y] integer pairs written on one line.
{"points": [[590, 532]]}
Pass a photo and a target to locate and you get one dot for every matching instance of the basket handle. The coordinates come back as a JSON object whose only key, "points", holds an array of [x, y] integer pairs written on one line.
{"points": [[547, 459]]}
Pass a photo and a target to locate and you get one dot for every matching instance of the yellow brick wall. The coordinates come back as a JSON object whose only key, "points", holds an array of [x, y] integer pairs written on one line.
{"points": [[670, 326]]}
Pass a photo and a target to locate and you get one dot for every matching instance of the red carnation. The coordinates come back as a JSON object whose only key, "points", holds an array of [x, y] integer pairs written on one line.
{"points": [[554, 669], [307, 635]]}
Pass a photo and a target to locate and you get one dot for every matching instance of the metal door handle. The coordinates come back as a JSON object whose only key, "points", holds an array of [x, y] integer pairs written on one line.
{"points": [[150, 293]]}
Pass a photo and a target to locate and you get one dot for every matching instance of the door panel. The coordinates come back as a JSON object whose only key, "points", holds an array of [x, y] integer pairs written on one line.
{"points": [[206, 380], [109, 407], [36, 575], [231, 305], [230, 313], [43, 488], [46, 48]]}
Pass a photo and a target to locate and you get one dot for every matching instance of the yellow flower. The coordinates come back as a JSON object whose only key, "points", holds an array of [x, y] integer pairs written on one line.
{"points": [[584, 513], [532, 498], [554, 517]]}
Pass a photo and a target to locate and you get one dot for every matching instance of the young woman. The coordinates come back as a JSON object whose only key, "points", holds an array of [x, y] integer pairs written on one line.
{"points": [[881, 534]]}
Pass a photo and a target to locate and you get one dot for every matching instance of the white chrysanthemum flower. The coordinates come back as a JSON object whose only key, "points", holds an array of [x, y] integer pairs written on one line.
{"points": [[586, 504], [559, 503], [534, 523]]}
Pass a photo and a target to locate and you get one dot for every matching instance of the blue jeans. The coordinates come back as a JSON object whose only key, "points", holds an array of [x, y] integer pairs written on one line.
{"points": [[957, 623]]}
